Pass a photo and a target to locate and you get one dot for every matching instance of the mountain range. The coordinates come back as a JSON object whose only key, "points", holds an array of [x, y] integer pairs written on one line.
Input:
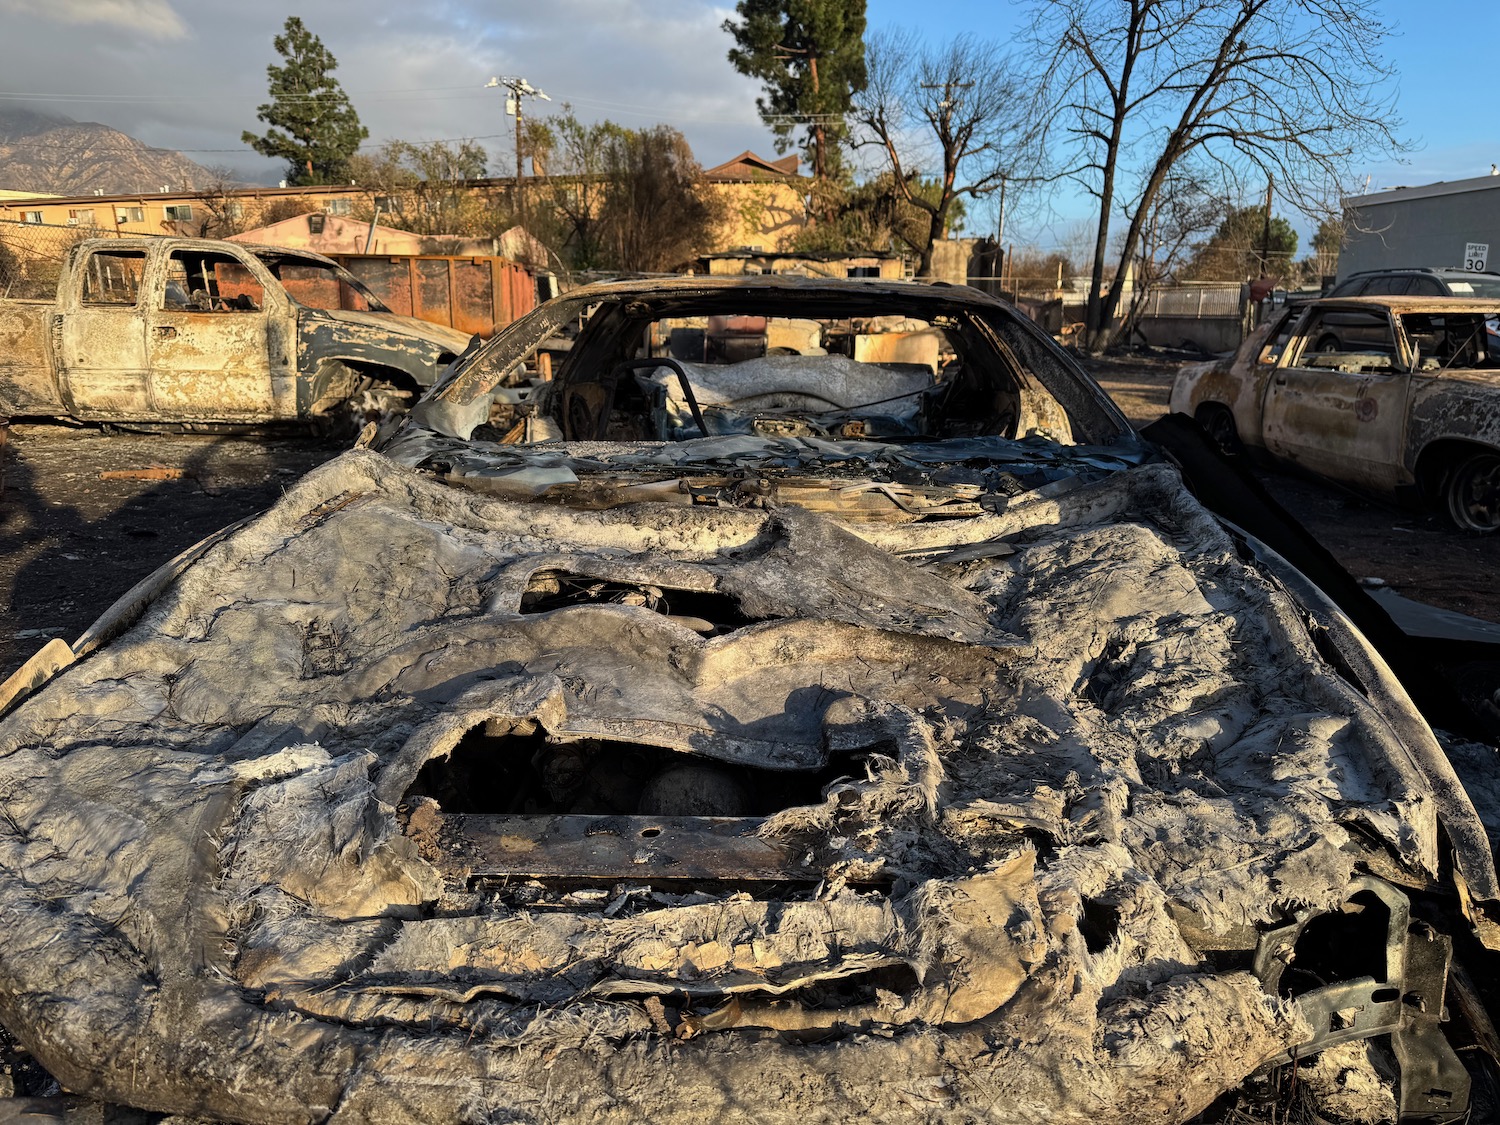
{"points": [[55, 155]]}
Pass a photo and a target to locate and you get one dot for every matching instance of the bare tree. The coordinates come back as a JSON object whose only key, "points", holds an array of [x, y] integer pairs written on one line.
{"points": [[954, 115], [565, 207], [1289, 88], [654, 216], [1189, 206], [224, 211]]}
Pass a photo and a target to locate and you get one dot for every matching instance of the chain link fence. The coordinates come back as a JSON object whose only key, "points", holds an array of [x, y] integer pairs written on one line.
{"points": [[31, 255]]}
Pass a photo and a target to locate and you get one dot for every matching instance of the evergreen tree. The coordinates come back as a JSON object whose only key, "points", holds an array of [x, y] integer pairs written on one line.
{"points": [[321, 129], [811, 56], [1239, 250]]}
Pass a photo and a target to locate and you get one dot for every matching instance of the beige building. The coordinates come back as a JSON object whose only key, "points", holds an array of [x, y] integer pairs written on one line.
{"points": [[764, 197], [191, 213], [333, 236], [739, 263], [765, 202]]}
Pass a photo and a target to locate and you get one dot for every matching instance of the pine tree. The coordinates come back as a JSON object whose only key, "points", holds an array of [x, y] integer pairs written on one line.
{"points": [[322, 131], [811, 56]]}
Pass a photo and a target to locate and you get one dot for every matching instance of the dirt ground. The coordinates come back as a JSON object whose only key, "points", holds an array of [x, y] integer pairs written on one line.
{"points": [[71, 541]]}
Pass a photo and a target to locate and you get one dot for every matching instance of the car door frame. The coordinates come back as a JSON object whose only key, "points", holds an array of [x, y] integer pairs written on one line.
{"points": [[1340, 419], [218, 363], [103, 364]]}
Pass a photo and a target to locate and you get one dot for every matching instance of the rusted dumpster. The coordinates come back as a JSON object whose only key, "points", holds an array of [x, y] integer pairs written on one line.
{"points": [[475, 294]]}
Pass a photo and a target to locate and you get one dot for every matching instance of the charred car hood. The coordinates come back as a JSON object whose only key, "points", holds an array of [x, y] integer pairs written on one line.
{"points": [[440, 337], [1023, 782]]}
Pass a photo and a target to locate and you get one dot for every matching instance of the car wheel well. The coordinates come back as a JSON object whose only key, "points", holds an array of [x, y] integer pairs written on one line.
{"points": [[1218, 420], [1437, 461], [393, 376], [1451, 475]]}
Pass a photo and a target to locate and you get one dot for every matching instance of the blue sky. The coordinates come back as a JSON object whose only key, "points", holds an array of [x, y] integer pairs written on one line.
{"points": [[189, 76]]}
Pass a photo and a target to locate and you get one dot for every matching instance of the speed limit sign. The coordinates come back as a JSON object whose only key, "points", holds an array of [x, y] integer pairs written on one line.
{"points": [[1476, 255]]}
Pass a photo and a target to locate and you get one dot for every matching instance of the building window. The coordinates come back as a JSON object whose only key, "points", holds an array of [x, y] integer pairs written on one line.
{"points": [[235, 210], [388, 204], [130, 214], [31, 217], [179, 212], [81, 216], [337, 207]]}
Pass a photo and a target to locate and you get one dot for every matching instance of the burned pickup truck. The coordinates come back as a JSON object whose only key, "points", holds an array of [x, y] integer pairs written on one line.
{"points": [[175, 330], [775, 736], [1396, 395]]}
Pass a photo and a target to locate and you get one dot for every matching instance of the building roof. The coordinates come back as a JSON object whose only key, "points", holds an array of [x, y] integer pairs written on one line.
{"points": [[796, 255], [250, 192], [748, 166], [1425, 191]]}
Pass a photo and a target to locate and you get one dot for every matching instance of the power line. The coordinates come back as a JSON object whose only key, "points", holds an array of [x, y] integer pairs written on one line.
{"points": [[142, 147], [19, 95]]}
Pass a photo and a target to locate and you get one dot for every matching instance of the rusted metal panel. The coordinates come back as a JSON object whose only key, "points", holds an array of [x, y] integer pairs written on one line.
{"points": [[210, 364], [656, 849], [476, 295], [26, 382]]}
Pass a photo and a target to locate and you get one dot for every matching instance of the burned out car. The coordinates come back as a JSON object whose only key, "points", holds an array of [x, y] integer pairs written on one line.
{"points": [[857, 721], [1396, 395], [201, 332]]}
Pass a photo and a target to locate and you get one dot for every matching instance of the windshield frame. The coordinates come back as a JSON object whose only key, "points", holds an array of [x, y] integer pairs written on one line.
{"points": [[273, 260]]}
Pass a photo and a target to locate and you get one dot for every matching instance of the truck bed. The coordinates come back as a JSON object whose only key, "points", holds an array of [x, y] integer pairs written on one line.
{"points": [[26, 382]]}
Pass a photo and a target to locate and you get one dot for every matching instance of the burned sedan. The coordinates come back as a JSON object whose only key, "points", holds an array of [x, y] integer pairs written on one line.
{"points": [[1395, 395], [811, 702]]}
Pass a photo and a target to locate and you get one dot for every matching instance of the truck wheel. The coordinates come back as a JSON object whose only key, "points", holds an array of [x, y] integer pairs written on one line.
{"points": [[1472, 493], [1330, 344], [1219, 423]]}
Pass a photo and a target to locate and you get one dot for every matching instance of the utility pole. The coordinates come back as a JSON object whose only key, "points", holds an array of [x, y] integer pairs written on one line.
{"points": [[1265, 234], [520, 89]]}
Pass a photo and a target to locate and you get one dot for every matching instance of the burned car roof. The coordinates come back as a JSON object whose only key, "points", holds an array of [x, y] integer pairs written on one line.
{"points": [[944, 761]]}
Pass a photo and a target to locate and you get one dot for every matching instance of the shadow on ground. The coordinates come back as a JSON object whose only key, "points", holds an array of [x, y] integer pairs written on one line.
{"points": [[72, 541]]}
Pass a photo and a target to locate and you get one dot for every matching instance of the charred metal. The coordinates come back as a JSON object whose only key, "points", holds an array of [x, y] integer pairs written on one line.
{"points": [[187, 331], [714, 688]]}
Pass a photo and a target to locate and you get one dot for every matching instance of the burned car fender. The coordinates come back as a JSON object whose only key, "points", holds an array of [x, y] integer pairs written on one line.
{"points": [[413, 353], [1447, 416], [1236, 383]]}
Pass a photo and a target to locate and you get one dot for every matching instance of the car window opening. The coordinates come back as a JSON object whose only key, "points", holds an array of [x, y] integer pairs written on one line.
{"points": [[628, 376]]}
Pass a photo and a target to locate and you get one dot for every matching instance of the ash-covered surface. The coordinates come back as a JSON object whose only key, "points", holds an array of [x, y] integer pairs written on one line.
{"points": [[1072, 772]]}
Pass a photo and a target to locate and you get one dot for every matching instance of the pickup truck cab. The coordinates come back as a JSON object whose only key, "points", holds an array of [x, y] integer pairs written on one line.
{"points": [[1395, 395], [176, 330]]}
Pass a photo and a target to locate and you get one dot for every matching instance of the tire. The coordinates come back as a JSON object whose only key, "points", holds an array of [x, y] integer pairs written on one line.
{"points": [[1330, 344], [1218, 421], [1471, 494]]}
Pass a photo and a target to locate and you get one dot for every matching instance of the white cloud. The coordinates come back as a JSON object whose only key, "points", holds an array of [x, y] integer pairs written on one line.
{"points": [[152, 19], [413, 72]]}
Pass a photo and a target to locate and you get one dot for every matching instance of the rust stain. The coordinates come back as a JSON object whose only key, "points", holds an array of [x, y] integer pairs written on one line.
{"points": [[152, 472]]}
